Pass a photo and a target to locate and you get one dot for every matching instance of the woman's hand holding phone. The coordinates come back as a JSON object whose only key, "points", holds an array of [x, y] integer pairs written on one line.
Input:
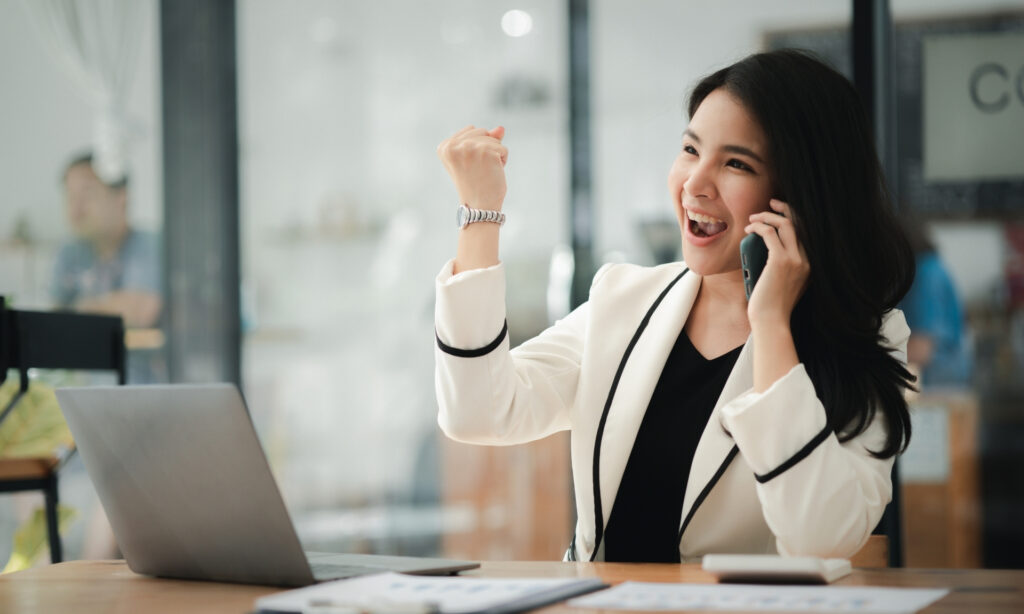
{"points": [[786, 271]]}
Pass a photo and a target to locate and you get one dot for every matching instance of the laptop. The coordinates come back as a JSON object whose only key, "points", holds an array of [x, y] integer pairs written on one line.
{"points": [[189, 493]]}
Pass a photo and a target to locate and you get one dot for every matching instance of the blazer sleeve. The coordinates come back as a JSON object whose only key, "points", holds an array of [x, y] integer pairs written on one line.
{"points": [[487, 393], [819, 496]]}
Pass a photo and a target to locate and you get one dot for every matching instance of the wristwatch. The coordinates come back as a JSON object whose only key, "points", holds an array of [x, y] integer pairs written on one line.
{"points": [[464, 216]]}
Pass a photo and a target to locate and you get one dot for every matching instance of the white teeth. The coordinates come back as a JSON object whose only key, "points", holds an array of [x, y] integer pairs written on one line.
{"points": [[698, 217]]}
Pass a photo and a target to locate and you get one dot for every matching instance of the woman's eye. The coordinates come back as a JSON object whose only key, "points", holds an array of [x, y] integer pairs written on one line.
{"points": [[690, 150], [743, 166]]}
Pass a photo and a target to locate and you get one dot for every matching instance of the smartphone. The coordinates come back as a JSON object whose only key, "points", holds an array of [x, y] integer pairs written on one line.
{"points": [[753, 257]]}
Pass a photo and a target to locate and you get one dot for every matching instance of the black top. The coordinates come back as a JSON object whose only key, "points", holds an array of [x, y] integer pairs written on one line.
{"points": [[645, 519]]}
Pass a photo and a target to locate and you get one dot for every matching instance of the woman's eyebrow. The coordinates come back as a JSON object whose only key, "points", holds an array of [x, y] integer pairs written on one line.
{"points": [[742, 151]]}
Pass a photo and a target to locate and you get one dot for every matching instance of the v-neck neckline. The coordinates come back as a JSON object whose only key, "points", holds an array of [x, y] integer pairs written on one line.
{"points": [[693, 347]]}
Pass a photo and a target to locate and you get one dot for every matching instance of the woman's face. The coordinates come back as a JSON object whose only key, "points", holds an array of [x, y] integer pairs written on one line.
{"points": [[721, 177]]}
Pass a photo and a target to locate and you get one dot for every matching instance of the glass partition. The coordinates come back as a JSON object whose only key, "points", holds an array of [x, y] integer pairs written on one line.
{"points": [[347, 217]]}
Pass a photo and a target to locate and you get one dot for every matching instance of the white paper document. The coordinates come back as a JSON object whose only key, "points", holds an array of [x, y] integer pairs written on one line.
{"points": [[762, 598], [393, 592]]}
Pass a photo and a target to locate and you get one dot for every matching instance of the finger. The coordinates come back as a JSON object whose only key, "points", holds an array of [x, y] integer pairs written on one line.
{"points": [[468, 133], [770, 218], [446, 144], [780, 206], [498, 150], [786, 229], [443, 149], [783, 225], [470, 145], [473, 133], [768, 233], [464, 130], [498, 133], [787, 233]]}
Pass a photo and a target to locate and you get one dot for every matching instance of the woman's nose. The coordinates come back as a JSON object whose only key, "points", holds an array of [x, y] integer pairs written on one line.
{"points": [[700, 183]]}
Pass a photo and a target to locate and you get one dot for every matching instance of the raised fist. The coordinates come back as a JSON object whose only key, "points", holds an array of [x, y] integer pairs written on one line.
{"points": [[475, 159]]}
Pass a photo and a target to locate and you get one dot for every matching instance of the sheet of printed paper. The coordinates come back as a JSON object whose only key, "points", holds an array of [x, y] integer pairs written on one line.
{"points": [[450, 595], [762, 598]]}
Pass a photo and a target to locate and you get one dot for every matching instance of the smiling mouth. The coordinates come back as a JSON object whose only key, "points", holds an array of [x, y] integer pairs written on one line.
{"points": [[705, 225]]}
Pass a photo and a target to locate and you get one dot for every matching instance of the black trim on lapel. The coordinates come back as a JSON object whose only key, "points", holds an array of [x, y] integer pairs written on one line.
{"points": [[796, 458], [487, 349], [598, 515], [707, 488]]}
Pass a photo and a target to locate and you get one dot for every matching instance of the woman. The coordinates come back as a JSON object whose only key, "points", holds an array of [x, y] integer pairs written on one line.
{"points": [[701, 422]]}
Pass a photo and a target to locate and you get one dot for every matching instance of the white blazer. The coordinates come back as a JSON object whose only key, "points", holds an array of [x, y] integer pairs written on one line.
{"points": [[767, 476]]}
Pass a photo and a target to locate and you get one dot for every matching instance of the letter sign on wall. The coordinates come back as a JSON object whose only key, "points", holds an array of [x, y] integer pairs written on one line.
{"points": [[973, 99]]}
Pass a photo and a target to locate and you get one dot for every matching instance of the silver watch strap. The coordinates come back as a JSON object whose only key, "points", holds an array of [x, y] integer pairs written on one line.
{"points": [[485, 215]]}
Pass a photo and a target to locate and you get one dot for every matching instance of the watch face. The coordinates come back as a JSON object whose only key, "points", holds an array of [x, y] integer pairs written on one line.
{"points": [[462, 215]]}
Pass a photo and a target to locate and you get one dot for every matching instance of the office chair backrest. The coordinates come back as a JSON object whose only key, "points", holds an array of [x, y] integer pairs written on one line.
{"points": [[60, 340]]}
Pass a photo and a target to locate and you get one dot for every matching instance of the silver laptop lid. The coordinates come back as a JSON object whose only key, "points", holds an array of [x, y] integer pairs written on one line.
{"points": [[185, 483]]}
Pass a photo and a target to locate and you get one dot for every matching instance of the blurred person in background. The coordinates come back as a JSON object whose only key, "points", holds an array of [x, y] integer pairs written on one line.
{"points": [[109, 267], [937, 348]]}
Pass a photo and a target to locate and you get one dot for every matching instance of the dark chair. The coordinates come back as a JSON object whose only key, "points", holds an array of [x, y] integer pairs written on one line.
{"points": [[891, 524], [52, 340]]}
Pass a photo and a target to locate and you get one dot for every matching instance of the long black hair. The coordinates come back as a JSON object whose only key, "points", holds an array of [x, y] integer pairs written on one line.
{"points": [[826, 168]]}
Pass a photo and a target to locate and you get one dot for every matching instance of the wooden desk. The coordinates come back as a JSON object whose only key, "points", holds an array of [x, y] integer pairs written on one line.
{"points": [[85, 587]]}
